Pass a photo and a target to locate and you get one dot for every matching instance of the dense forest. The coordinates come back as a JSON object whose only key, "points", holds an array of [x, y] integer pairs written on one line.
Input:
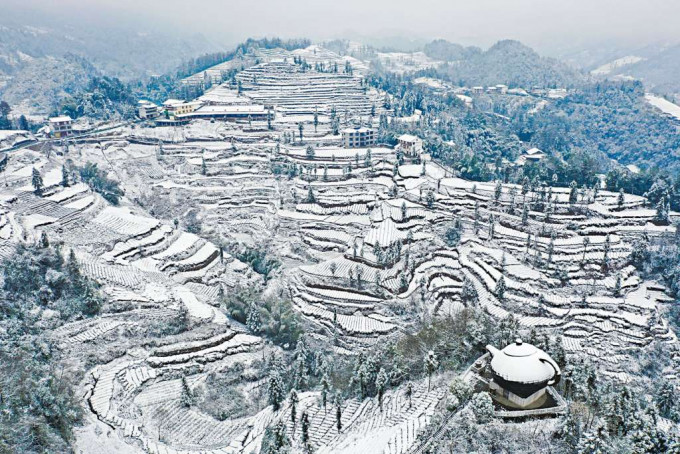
{"points": [[506, 62], [42, 289]]}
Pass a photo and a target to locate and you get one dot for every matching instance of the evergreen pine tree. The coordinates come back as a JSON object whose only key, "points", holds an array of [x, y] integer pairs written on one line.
{"points": [[187, 395], [573, 193], [293, 398], [325, 389], [310, 195], [44, 241], [431, 363], [37, 181], [304, 419], [380, 385], [500, 289], [253, 321], [64, 177], [275, 389], [338, 413]]}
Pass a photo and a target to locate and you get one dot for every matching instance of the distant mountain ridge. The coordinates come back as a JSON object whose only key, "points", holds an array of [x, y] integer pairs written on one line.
{"points": [[122, 52], [506, 62], [44, 59]]}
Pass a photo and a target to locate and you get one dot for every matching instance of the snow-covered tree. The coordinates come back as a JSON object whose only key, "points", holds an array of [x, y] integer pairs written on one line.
{"points": [[469, 292], [304, 420], [37, 181], [594, 442], [187, 395], [338, 412], [275, 389], [380, 385], [500, 289], [431, 363], [293, 399], [253, 322], [661, 216], [482, 407], [311, 198], [65, 176], [409, 392], [325, 390], [573, 193]]}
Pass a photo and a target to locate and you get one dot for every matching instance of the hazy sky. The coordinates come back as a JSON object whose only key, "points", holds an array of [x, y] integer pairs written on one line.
{"points": [[543, 24]]}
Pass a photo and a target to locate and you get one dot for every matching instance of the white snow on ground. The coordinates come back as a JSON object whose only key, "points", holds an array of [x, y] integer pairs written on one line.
{"points": [[664, 105], [196, 308], [607, 68]]}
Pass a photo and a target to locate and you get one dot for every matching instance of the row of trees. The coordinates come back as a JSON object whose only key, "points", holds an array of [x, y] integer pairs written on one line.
{"points": [[89, 174]]}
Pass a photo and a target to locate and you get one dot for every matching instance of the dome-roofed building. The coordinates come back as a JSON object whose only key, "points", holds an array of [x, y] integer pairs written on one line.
{"points": [[520, 374]]}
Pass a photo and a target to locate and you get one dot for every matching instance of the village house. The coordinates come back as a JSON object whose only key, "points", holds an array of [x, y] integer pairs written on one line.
{"points": [[175, 107], [410, 145], [532, 155], [358, 137], [60, 126], [147, 109]]}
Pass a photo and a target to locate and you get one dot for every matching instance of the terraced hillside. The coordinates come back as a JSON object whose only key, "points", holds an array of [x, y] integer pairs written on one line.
{"points": [[361, 249]]}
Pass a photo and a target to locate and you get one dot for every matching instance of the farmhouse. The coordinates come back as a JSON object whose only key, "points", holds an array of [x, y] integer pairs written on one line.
{"points": [[60, 126], [410, 145], [358, 137], [532, 155]]}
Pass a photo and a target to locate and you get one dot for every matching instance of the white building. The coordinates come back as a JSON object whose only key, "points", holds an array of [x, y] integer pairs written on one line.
{"points": [[253, 112], [60, 126], [410, 145], [358, 137], [521, 374], [174, 107], [147, 109]]}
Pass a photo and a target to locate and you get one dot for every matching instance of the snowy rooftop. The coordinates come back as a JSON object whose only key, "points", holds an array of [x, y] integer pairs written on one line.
{"points": [[408, 138], [253, 108], [59, 119], [356, 130]]}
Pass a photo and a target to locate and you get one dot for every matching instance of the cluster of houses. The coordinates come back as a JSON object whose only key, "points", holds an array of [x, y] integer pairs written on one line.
{"points": [[175, 112]]}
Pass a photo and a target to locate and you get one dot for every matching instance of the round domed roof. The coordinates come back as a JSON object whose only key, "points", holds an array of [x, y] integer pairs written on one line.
{"points": [[523, 363]]}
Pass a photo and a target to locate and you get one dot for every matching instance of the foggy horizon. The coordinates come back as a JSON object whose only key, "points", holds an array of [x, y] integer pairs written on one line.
{"points": [[549, 27]]}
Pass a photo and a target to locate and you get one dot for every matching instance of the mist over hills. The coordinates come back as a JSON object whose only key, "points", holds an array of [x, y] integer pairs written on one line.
{"points": [[509, 62]]}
